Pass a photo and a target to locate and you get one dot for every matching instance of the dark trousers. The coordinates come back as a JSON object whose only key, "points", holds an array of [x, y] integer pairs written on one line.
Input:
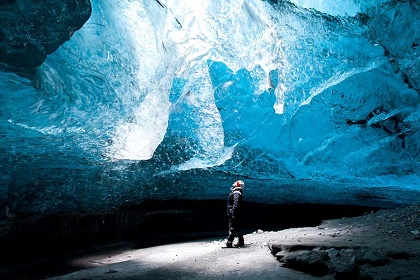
{"points": [[235, 229]]}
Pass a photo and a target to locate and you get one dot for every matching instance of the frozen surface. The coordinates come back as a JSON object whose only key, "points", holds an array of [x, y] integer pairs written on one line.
{"points": [[160, 99]]}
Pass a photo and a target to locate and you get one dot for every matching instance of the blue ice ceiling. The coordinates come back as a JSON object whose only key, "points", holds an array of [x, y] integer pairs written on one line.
{"points": [[174, 99]]}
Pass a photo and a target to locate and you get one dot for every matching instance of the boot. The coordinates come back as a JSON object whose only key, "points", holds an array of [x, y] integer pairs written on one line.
{"points": [[229, 244], [240, 243]]}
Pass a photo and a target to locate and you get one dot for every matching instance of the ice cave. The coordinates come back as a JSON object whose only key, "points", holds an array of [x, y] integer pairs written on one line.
{"points": [[109, 104]]}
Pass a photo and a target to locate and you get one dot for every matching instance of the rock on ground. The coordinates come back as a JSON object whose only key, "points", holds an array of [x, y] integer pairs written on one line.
{"points": [[381, 245]]}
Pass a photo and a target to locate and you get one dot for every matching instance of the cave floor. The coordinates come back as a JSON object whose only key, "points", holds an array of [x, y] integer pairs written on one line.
{"points": [[202, 259], [382, 244]]}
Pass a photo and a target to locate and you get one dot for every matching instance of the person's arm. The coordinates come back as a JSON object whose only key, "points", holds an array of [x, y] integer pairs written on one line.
{"points": [[227, 207], [236, 197]]}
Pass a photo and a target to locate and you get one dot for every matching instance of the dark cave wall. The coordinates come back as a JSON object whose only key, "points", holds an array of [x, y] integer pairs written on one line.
{"points": [[30, 30]]}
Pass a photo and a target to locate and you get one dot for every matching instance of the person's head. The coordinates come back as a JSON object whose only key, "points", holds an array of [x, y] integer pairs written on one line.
{"points": [[239, 184]]}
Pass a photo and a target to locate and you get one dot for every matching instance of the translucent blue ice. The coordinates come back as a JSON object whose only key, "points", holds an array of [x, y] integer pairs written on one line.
{"points": [[176, 98]]}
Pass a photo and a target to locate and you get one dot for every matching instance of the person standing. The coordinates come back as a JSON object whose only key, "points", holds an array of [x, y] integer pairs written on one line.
{"points": [[234, 205]]}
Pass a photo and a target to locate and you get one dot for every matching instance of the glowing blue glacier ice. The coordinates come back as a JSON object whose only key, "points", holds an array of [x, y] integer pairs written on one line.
{"points": [[156, 98]]}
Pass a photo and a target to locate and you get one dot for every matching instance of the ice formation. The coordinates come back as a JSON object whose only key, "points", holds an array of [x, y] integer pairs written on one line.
{"points": [[165, 98]]}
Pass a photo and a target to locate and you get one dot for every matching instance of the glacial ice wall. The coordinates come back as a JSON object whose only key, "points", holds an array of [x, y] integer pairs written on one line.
{"points": [[163, 99]]}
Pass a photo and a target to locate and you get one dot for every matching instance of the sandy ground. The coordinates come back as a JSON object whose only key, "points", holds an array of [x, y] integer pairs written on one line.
{"points": [[380, 245], [204, 259]]}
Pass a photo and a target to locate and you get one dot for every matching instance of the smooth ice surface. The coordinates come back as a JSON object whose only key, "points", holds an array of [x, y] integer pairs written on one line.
{"points": [[304, 100]]}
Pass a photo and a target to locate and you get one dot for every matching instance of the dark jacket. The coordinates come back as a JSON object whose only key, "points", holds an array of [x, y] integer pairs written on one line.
{"points": [[234, 202]]}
